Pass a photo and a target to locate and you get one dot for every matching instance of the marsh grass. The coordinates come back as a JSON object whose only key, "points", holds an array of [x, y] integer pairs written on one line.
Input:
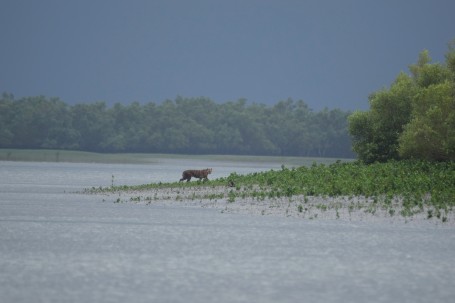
{"points": [[404, 187]]}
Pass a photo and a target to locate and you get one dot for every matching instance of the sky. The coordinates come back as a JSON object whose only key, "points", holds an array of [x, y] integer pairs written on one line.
{"points": [[328, 53]]}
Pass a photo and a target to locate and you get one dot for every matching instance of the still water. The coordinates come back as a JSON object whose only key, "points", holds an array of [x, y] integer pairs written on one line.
{"points": [[57, 245]]}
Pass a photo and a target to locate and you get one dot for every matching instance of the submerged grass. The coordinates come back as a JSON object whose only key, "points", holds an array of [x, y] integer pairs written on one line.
{"points": [[418, 186]]}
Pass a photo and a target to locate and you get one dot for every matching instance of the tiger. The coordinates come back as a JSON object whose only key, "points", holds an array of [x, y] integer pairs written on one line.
{"points": [[200, 174]]}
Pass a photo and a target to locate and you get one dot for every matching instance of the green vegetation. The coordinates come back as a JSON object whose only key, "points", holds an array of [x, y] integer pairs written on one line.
{"points": [[414, 119], [182, 126], [416, 186]]}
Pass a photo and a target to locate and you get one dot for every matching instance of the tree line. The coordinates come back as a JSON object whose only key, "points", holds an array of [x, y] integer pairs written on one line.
{"points": [[414, 118], [183, 125]]}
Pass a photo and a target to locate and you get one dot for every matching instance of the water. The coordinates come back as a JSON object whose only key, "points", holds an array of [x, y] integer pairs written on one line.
{"points": [[60, 246]]}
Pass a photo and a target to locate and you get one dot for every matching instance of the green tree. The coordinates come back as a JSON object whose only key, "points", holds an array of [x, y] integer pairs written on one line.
{"points": [[130, 129], [6, 118], [185, 125], [375, 133], [425, 73], [412, 119], [38, 122], [94, 126], [430, 135]]}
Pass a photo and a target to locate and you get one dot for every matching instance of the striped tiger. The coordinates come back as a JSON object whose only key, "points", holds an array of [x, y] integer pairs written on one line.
{"points": [[200, 174]]}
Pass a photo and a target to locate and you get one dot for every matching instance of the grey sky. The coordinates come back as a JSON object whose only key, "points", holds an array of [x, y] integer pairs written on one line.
{"points": [[330, 53]]}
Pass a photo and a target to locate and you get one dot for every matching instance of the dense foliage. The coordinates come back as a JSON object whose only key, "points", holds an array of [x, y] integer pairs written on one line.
{"points": [[415, 118], [185, 125]]}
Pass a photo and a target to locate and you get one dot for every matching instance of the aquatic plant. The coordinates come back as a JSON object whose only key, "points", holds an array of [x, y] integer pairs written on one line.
{"points": [[416, 186]]}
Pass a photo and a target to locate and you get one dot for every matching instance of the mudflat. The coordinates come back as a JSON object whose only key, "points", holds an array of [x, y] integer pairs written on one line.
{"points": [[352, 209]]}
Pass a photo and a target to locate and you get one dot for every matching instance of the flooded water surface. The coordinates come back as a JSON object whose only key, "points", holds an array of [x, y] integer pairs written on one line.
{"points": [[58, 245]]}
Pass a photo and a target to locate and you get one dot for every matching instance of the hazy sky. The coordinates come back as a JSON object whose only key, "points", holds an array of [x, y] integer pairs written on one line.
{"points": [[330, 53]]}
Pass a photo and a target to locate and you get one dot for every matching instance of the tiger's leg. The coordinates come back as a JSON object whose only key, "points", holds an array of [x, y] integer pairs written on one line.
{"points": [[183, 177], [186, 175]]}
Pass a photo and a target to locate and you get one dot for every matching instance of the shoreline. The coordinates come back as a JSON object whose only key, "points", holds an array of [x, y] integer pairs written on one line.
{"points": [[352, 209], [79, 156]]}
